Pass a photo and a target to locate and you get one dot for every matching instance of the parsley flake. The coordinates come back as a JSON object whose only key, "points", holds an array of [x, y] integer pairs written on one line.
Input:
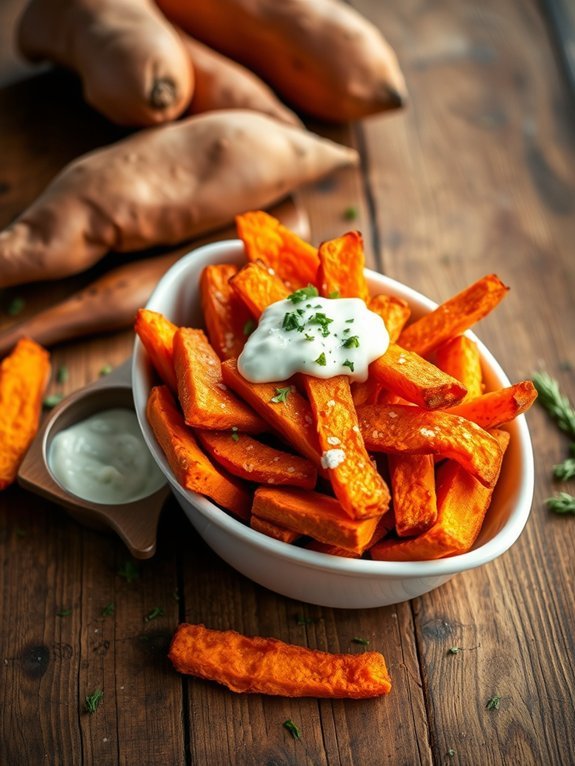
{"points": [[350, 213], [129, 571], [309, 337], [334, 295], [92, 701], [303, 294], [323, 321], [156, 612], [349, 321], [454, 650], [292, 321], [351, 342], [249, 327], [493, 702], [281, 395], [64, 613], [106, 370], [349, 364], [292, 728], [235, 436], [321, 360], [108, 610], [362, 641], [51, 401], [62, 374]]}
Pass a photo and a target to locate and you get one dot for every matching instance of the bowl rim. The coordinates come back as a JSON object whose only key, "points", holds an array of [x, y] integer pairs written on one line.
{"points": [[476, 557]]}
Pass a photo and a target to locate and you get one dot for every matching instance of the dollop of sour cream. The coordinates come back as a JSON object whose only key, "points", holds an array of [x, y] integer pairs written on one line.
{"points": [[322, 337], [105, 459]]}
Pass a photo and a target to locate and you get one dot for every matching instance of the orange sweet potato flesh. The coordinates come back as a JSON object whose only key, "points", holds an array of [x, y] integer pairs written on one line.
{"points": [[314, 514], [258, 288], [384, 525], [341, 265], [291, 418], [133, 65], [462, 503], [459, 357], [416, 380], [403, 429], [453, 317], [193, 177], [273, 530], [157, 335], [413, 491], [266, 239], [191, 467], [394, 311], [203, 395], [24, 376], [269, 666], [498, 407], [249, 459], [357, 485], [226, 316]]}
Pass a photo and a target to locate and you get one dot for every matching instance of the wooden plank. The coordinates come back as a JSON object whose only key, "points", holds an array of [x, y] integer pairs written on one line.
{"points": [[478, 176]]}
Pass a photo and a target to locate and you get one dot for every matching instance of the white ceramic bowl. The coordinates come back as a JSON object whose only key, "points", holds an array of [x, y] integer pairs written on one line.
{"points": [[318, 578]]}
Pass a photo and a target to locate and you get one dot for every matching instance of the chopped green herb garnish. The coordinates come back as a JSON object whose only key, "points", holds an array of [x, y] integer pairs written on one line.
{"points": [[108, 610], [301, 312], [565, 470], [129, 571], [292, 728], [349, 364], [235, 436], [92, 701], [281, 395], [561, 503], [350, 213], [323, 321], [351, 342], [454, 650], [64, 613], [15, 307], [62, 374], [349, 321], [362, 641], [106, 370], [156, 612], [309, 337], [321, 360], [292, 321], [451, 752], [334, 295], [302, 294], [249, 327], [51, 401], [556, 403], [493, 703]]}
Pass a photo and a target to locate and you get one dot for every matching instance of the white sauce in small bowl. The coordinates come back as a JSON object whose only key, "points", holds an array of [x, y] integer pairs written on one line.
{"points": [[105, 459]]}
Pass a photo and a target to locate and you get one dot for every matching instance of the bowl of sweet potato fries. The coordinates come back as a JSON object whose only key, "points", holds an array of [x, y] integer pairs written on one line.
{"points": [[434, 469]]}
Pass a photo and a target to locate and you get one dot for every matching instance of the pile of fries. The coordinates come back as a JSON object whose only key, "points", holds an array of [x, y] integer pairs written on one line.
{"points": [[419, 443]]}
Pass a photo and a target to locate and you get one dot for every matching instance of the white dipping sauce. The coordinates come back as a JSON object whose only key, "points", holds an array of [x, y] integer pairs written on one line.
{"points": [[105, 459], [322, 337]]}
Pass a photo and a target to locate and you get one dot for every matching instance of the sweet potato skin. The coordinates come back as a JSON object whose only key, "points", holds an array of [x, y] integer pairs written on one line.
{"points": [[269, 666], [93, 206], [132, 62]]}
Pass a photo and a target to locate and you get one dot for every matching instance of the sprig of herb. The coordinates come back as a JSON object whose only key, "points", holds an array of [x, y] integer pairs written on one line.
{"points": [[493, 702], [298, 296], [129, 571], [565, 470], [154, 613], [292, 728], [108, 610], [561, 503], [321, 360], [556, 403], [92, 701], [323, 321], [281, 395], [249, 327]]}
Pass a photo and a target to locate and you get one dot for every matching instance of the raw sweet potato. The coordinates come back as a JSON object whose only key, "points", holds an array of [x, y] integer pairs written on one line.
{"points": [[341, 265], [267, 240], [161, 187], [191, 467], [133, 64], [227, 319], [402, 429], [221, 83], [269, 666], [497, 407], [204, 397], [157, 335], [320, 55], [24, 375], [459, 357]]}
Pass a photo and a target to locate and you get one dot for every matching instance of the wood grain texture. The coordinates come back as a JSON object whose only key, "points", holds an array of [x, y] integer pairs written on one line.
{"points": [[478, 175]]}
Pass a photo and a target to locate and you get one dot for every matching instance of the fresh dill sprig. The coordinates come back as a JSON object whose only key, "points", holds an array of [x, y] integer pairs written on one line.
{"points": [[561, 503], [555, 403], [565, 470], [92, 701]]}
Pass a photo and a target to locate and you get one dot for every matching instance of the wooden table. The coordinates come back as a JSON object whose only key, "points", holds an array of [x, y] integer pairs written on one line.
{"points": [[478, 175]]}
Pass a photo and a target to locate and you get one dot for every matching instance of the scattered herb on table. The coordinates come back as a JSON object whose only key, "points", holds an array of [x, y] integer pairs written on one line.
{"points": [[62, 374], [350, 213], [292, 728], [451, 752], [156, 612], [51, 401], [281, 395], [129, 571], [108, 610], [106, 370], [493, 702], [561, 503], [92, 701], [454, 650], [362, 641], [64, 613], [566, 470], [16, 306]]}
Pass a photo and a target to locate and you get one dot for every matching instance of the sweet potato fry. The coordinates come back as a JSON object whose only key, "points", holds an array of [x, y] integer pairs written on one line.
{"points": [[266, 239], [459, 357], [413, 378], [227, 319], [270, 666], [394, 311], [357, 485], [462, 503], [258, 287], [249, 459], [341, 265], [191, 467], [313, 514], [157, 336], [384, 525], [454, 316], [24, 375], [273, 530], [498, 407], [403, 429], [365, 391], [203, 395], [413, 491], [292, 417]]}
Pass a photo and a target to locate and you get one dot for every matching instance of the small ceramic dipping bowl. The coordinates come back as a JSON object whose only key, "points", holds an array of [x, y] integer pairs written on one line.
{"points": [[305, 575], [135, 522]]}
